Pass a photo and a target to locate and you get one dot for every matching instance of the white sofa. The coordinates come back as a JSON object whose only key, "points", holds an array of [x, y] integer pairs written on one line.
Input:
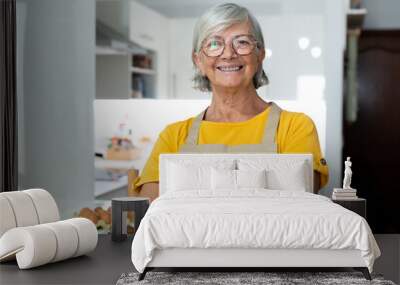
{"points": [[31, 231]]}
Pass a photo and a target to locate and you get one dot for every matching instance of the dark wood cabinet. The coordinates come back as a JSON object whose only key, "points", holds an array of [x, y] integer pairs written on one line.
{"points": [[358, 206]]}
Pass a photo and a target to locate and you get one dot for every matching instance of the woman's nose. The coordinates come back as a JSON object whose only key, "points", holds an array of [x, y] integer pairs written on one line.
{"points": [[228, 52]]}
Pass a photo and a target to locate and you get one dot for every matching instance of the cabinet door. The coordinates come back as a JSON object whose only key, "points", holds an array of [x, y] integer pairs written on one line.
{"points": [[144, 25]]}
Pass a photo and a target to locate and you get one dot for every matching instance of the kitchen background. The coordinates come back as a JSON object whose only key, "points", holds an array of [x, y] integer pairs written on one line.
{"points": [[89, 70], [156, 69], [92, 70]]}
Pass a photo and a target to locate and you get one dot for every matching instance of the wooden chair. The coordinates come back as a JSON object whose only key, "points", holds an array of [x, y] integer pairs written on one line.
{"points": [[133, 175]]}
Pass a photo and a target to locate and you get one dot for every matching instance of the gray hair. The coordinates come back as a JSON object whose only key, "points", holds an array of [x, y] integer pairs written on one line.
{"points": [[218, 18]]}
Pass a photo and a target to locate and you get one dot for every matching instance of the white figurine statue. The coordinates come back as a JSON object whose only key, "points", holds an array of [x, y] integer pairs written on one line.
{"points": [[347, 174]]}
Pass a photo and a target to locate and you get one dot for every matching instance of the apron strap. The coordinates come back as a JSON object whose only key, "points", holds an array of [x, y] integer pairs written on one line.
{"points": [[194, 131], [272, 125]]}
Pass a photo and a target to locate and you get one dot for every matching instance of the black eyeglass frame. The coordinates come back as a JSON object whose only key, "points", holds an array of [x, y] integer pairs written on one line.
{"points": [[252, 37]]}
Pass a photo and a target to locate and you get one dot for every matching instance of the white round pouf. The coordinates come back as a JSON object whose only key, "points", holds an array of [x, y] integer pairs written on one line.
{"points": [[7, 218], [87, 234], [45, 205], [33, 246], [67, 240], [31, 233], [23, 208]]}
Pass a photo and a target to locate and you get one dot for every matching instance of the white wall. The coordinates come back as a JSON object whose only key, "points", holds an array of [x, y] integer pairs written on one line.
{"points": [[334, 38], [382, 14], [180, 60], [56, 89]]}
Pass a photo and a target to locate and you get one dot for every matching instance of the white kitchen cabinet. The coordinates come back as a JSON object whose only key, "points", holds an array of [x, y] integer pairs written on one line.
{"points": [[116, 75], [145, 26], [150, 30]]}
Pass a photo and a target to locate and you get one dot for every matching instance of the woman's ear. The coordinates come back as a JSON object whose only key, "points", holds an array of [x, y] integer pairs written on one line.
{"points": [[194, 58], [197, 61], [261, 55]]}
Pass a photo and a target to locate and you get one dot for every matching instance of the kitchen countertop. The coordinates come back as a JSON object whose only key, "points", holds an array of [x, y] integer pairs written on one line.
{"points": [[103, 187]]}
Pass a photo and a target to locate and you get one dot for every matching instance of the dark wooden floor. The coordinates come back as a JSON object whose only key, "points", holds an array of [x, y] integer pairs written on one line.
{"points": [[102, 266]]}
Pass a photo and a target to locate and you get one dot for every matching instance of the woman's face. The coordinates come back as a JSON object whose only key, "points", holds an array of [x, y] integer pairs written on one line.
{"points": [[230, 70]]}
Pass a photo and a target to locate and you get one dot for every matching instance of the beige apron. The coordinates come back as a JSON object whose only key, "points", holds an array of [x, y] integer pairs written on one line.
{"points": [[267, 145]]}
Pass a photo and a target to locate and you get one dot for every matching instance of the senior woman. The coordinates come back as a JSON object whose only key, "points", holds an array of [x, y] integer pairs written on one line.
{"points": [[228, 51]]}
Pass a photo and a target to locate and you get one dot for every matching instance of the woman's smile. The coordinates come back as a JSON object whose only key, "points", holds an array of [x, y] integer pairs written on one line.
{"points": [[230, 68], [230, 74]]}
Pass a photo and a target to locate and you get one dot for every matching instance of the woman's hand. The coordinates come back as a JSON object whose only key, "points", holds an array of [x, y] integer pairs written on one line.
{"points": [[317, 182], [149, 190]]}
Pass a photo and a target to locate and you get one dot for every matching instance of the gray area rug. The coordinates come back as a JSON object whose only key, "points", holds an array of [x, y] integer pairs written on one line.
{"points": [[269, 278]]}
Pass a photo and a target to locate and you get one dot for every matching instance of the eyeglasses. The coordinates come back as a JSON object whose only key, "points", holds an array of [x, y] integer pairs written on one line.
{"points": [[241, 44]]}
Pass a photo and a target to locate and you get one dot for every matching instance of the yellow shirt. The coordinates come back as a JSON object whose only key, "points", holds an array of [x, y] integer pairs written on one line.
{"points": [[296, 134]]}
